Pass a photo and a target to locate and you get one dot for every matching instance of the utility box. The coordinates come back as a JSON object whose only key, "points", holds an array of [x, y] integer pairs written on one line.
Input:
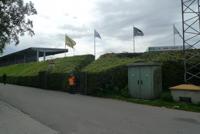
{"points": [[186, 93], [145, 80]]}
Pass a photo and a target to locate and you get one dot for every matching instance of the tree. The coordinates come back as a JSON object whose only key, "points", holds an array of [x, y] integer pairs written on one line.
{"points": [[14, 21]]}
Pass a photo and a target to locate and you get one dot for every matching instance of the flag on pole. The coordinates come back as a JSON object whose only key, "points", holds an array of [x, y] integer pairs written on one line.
{"points": [[96, 34], [175, 30], [69, 42], [137, 32]]}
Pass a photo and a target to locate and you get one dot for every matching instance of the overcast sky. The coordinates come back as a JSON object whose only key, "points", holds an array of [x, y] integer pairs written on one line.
{"points": [[113, 19]]}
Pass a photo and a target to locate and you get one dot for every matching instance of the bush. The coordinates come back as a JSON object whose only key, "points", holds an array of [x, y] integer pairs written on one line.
{"points": [[61, 65], [166, 96], [104, 77], [108, 74], [38, 75], [172, 73], [109, 82]]}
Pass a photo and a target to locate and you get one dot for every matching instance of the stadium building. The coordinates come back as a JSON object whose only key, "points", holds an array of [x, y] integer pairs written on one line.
{"points": [[166, 48], [31, 54]]}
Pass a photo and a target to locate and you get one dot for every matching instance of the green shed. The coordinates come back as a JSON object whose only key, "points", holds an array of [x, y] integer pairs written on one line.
{"points": [[145, 80]]}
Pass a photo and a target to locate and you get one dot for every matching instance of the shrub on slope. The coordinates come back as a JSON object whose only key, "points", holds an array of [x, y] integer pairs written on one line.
{"points": [[108, 74], [62, 65], [36, 74]]}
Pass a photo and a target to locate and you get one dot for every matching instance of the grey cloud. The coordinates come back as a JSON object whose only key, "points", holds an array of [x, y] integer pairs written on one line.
{"points": [[154, 17], [70, 27], [114, 20], [66, 14], [75, 17], [76, 31]]}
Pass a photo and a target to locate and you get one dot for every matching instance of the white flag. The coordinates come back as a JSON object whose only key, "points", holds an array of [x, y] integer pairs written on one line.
{"points": [[175, 30], [96, 34]]}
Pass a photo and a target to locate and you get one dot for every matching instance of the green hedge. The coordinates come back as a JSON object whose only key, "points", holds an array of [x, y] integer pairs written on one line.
{"points": [[109, 74], [112, 81], [45, 80], [108, 82], [38, 74], [62, 65], [106, 76], [172, 73], [24, 81]]}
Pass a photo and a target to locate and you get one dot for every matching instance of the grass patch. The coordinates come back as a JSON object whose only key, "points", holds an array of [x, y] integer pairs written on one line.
{"points": [[108, 62], [62, 65], [165, 100], [161, 103], [109, 73], [40, 74]]}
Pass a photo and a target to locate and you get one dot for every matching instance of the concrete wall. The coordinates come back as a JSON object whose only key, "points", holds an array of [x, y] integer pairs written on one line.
{"points": [[194, 95]]}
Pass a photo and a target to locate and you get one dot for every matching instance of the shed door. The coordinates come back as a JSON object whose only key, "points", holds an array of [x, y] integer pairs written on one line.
{"points": [[146, 82], [134, 77]]}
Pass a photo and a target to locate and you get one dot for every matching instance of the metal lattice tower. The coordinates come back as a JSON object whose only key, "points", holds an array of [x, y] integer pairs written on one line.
{"points": [[191, 40]]}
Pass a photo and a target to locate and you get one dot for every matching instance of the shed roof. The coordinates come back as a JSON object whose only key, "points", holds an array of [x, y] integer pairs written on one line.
{"points": [[186, 87]]}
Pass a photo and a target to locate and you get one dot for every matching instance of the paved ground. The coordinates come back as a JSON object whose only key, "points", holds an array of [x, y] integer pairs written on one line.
{"points": [[76, 114], [12, 121]]}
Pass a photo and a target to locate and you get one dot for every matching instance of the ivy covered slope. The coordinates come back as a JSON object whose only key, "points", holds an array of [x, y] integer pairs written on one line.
{"points": [[109, 74], [62, 65], [33, 74], [107, 62], [112, 60]]}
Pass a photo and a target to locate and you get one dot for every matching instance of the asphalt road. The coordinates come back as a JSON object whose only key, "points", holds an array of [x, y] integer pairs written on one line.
{"points": [[13, 121], [76, 114]]}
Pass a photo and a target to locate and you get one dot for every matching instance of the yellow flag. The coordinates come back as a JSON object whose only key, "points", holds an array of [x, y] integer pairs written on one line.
{"points": [[69, 42]]}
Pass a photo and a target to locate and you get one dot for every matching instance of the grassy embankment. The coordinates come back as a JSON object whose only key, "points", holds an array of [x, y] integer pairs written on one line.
{"points": [[109, 78], [40, 74], [62, 65]]}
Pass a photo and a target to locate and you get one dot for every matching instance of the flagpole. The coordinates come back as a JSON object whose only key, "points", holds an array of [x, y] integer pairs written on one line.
{"points": [[133, 40], [65, 49], [65, 45], [174, 35], [94, 46], [174, 40]]}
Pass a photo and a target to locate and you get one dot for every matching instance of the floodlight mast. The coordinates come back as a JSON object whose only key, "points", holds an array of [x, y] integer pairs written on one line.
{"points": [[191, 40]]}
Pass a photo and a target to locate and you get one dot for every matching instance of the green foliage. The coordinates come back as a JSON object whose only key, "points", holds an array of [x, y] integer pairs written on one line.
{"points": [[108, 62], [161, 103], [172, 73], [24, 81], [55, 81], [38, 74], [14, 21], [166, 96], [162, 56], [62, 65], [108, 74]]}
